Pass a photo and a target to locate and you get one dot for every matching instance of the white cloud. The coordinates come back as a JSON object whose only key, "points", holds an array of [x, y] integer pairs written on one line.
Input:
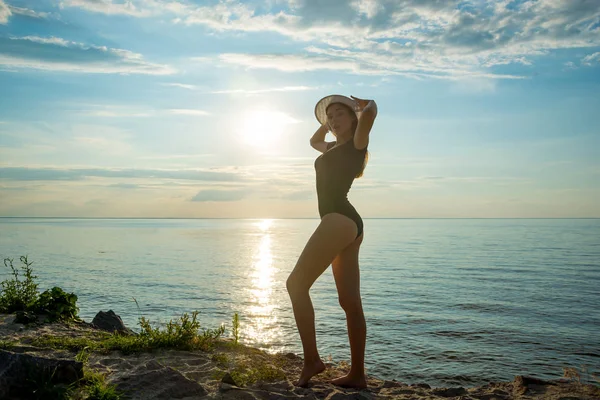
{"points": [[117, 114], [57, 54], [118, 111], [26, 12], [590, 59], [258, 91], [449, 39], [49, 40], [4, 12], [370, 8], [297, 63], [108, 7], [353, 63], [35, 173], [183, 111], [220, 195], [181, 85]]}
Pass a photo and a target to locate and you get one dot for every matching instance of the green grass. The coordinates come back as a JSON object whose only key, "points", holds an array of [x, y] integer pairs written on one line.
{"points": [[6, 344], [184, 334], [94, 386], [220, 358], [246, 373]]}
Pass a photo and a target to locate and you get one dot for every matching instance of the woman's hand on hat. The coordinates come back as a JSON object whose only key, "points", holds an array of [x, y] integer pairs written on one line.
{"points": [[360, 103]]}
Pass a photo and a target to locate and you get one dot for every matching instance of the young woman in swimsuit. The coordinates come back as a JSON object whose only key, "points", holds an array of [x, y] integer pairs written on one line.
{"points": [[338, 237]]}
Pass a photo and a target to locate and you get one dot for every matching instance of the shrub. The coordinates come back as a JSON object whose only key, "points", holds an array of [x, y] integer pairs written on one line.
{"points": [[22, 297], [57, 304], [17, 295]]}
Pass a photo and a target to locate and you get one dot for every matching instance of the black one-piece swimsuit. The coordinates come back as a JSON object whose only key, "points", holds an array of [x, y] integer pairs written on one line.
{"points": [[336, 170]]}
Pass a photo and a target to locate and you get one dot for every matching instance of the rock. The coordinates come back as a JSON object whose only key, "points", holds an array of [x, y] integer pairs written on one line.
{"points": [[239, 394], [223, 387], [521, 383], [391, 384], [291, 356], [322, 390], [153, 381], [17, 368], [25, 317], [228, 379], [349, 396], [449, 392], [530, 380], [421, 385], [109, 321]]}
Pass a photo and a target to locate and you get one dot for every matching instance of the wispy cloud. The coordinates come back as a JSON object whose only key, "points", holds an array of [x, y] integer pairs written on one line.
{"points": [[220, 195], [117, 114], [299, 63], [181, 85], [175, 156], [269, 90], [450, 39], [353, 63], [110, 7], [4, 12], [69, 174], [125, 111], [57, 54], [591, 59], [192, 112], [26, 12]]}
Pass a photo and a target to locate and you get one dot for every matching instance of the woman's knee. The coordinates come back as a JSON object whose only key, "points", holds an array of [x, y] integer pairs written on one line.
{"points": [[351, 303], [295, 286]]}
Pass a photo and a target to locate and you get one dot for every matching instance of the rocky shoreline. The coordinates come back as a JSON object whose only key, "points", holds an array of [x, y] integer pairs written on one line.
{"points": [[179, 374]]}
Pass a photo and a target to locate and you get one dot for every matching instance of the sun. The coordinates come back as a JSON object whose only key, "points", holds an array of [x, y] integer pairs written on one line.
{"points": [[263, 129]]}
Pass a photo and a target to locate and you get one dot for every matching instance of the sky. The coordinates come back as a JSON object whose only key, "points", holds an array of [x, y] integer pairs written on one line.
{"points": [[194, 109]]}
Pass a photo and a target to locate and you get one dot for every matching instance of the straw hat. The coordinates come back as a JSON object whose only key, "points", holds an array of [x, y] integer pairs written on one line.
{"points": [[321, 107]]}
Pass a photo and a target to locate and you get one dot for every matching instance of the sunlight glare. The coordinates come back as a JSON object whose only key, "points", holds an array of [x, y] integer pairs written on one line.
{"points": [[263, 128], [264, 224], [263, 327]]}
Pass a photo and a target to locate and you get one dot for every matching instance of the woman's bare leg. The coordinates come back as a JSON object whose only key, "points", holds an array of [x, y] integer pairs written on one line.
{"points": [[334, 233], [347, 279]]}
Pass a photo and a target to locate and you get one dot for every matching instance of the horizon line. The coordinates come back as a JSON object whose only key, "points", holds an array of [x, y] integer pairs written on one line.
{"points": [[275, 218]]}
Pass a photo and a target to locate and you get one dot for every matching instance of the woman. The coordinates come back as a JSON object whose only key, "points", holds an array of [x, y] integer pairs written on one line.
{"points": [[338, 237]]}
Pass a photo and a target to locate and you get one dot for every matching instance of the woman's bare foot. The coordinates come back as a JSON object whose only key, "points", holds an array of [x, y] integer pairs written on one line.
{"points": [[349, 381], [310, 370]]}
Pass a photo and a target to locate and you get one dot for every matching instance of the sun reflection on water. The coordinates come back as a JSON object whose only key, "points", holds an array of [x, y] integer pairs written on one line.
{"points": [[261, 326]]}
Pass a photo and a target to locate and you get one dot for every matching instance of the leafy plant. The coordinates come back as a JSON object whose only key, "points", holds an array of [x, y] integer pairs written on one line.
{"points": [[236, 327], [21, 296], [57, 304], [18, 295]]}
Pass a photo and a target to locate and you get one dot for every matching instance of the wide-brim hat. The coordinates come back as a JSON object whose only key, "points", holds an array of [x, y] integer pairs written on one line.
{"points": [[321, 107]]}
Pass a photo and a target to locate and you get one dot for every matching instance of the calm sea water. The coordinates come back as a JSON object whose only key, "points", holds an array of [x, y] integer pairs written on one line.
{"points": [[447, 301]]}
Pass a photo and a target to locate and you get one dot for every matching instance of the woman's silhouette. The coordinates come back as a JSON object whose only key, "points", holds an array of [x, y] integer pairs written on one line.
{"points": [[339, 235]]}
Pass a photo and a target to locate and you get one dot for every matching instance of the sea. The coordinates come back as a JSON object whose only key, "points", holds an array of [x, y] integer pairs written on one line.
{"points": [[448, 302]]}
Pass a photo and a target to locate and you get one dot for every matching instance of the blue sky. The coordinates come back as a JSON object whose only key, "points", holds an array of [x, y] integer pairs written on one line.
{"points": [[188, 108]]}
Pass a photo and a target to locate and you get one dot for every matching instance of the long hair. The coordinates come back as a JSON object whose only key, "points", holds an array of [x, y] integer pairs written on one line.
{"points": [[354, 126]]}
